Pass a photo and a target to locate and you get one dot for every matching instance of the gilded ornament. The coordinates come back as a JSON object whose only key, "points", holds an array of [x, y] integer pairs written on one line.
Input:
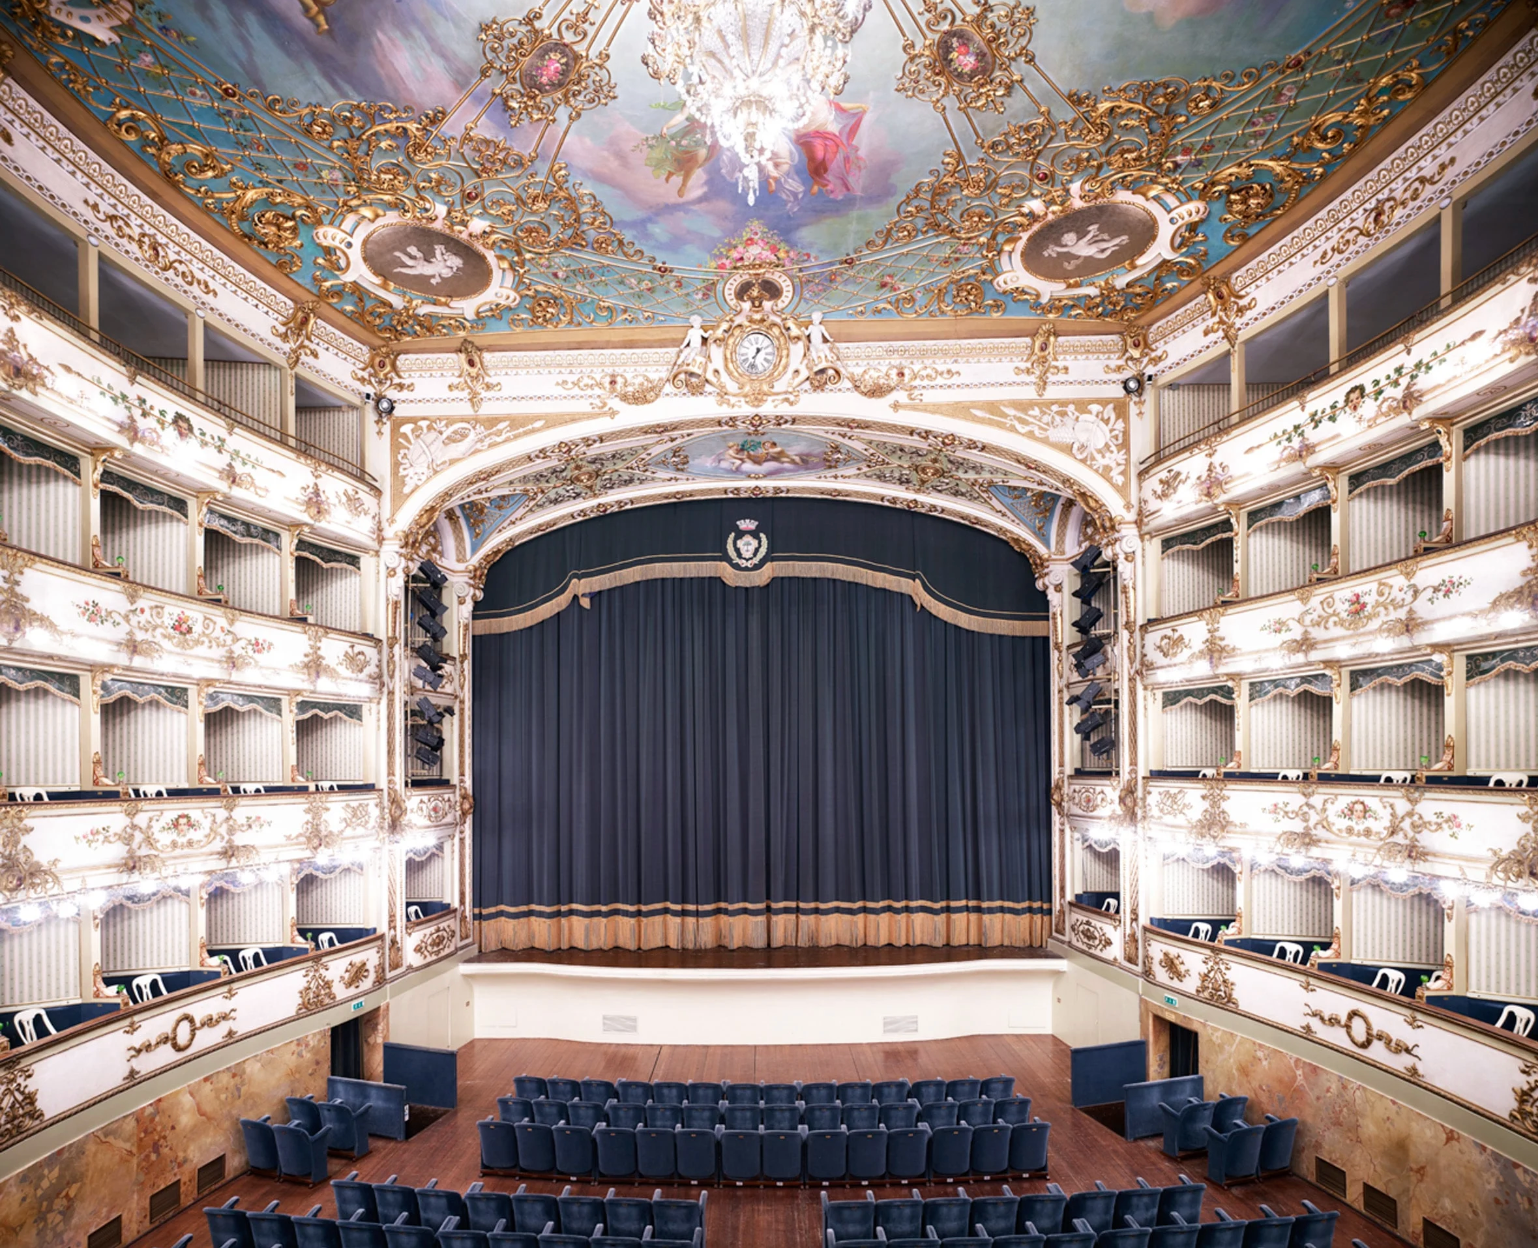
{"points": [[153, 250], [1090, 935], [1043, 360], [473, 381], [1214, 984], [317, 991], [1173, 965], [1361, 1032], [181, 1035], [1224, 309], [355, 974], [19, 1112], [434, 943], [1523, 1115], [296, 331], [22, 873]]}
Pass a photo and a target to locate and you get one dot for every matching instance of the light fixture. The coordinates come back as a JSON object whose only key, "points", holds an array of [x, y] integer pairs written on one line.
{"points": [[751, 72], [95, 899], [66, 909], [384, 405], [29, 913], [1132, 386], [1331, 280], [246, 877]]}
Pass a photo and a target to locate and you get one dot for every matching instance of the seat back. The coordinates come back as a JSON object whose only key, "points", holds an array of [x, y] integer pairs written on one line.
{"points": [[698, 1153], [589, 1114], [862, 1116], [600, 1091], [948, 1215], [1141, 1204], [1315, 1229], [394, 1200], [995, 1214], [1288, 951], [616, 1151], [849, 1219], [550, 1112], [272, 1230], [705, 1092], [303, 1112], [1201, 931], [536, 1147], [1013, 1110], [822, 1117], [326, 940], [1175, 1235], [499, 1144], [926, 1090], [938, 1113], [656, 1152], [742, 1154], [950, 1151], [1110, 905], [1521, 1020], [677, 1219], [867, 1153], [963, 1089], [894, 1114], [1235, 1155], [998, 1087], [781, 1117], [743, 1093], [621, 1114], [529, 1087], [559, 1088], [353, 1197], [573, 1149], [702, 1114], [1181, 1202], [1228, 1112], [854, 1092], [742, 1117], [580, 1215], [316, 1233], [907, 1151], [228, 1224], [819, 1093], [1094, 1207], [1123, 1237], [27, 1020], [990, 1148], [781, 1094], [827, 1154], [413, 913], [486, 1209], [1267, 1233], [1389, 980], [261, 1145], [625, 1215], [666, 1093], [902, 1218], [145, 987], [1043, 1210], [662, 1114], [975, 1111], [1276, 1142], [533, 1211], [633, 1091], [1028, 1147], [890, 1091], [251, 958]]}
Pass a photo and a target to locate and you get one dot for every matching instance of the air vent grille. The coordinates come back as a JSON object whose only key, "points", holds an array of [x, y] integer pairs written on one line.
{"points": [[1330, 1177], [107, 1236], [900, 1025], [626, 1024], [166, 1201], [1433, 1236], [1380, 1205], [211, 1174]]}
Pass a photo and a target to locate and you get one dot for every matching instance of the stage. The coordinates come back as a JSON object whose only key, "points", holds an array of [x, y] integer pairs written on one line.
{"points": [[840, 995]]}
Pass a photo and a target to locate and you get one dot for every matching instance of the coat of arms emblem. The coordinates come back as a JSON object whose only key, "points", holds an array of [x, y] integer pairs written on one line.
{"points": [[747, 548]]}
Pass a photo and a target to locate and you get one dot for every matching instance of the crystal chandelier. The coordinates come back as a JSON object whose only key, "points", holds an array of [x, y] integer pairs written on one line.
{"points": [[751, 71]]}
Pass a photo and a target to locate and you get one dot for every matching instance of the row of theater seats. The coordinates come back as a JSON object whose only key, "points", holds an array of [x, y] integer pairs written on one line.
{"points": [[817, 1116], [1235, 1149], [849, 1092], [1139, 1217], [778, 1156], [393, 1215]]}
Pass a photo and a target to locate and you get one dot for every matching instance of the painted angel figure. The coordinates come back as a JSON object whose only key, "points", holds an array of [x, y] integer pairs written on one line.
{"points": [[442, 264], [1094, 244]]}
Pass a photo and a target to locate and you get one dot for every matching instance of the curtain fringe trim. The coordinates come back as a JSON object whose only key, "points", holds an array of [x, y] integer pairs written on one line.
{"points": [[581, 588]]}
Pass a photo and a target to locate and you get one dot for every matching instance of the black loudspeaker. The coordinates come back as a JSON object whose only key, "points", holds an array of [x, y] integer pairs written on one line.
{"points": [[1082, 699], [1089, 585], [431, 627], [430, 656], [431, 713], [430, 570], [429, 678], [426, 756], [428, 736], [1088, 618], [1102, 747], [1089, 723], [1086, 561], [429, 600], [1089, 666]]}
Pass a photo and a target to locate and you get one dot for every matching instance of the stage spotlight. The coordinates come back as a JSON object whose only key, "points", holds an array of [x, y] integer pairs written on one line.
{"points": [[1089, 723], [426, 756], [1085, 696], [428, 569], [431, 712], [431, 627], [430, 657], [383, 404], [1088, 618], [1089, 586], [1089, 666], [1088, 559], [429, 678], [1102, 747], [430, 737], [429, 599]]}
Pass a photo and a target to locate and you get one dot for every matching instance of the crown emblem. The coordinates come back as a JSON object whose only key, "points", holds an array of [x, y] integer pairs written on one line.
{"points": [[747, 526]]}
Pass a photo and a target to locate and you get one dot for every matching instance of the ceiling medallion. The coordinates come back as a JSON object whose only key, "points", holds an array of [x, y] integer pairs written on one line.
{"points": [[544, 70], [1066, 247], [417, 261], [969, 59]]}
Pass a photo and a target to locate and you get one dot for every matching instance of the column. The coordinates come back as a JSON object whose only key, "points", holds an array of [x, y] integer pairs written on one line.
{"points": [[195, 370], [1343, 909], [90, 950], [290, 739], [197, 924], [89, 281], [290, 901], [1451, 222], [1242, 720], [1456, 943], [288, 591], [1236, 391], [1336, 297]]}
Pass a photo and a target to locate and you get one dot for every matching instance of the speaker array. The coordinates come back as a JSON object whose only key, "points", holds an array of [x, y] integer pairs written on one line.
{"points": [[1090, 655], [428, 737]]}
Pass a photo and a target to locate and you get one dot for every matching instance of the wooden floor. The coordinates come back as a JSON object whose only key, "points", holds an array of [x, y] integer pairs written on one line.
{"points": [[1081, 1149]]}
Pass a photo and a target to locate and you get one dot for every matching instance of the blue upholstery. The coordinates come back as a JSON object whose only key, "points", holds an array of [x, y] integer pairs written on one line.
{"points": [[1028, 1147], [655, 1153], [633, 1091], [1143, 1117], [559, 1088], [670, 1093], [997, 1087], [1081, 1236], [784, 1154], [849, 1219], [499, 1145], [706, 1091], [314, 1232], [1228, 1113], [926, 1090], [781, 1093], [1276, 1144], [1235, 1155], [702, 1114], [963, 1089], [950, 1151], [902, 1218], [300, 1154], [512, 1239], [614, 1241], [303, 1113], [574, 1155], [677, 1219], [1177, 1234], [273, 1229], [1224, 1233], [823, 1117], [1123, 1237], [601, 1090], [1140, 1203], [907, 1152], [625, 1215], [855, 1092], [515, 1108], [867, 1153], [353, 1197], [486, 1209], [530, 1087], [1012, 1109], [616, 1151], [1043, 1210], [580, 1215], [462, 1237], [533, 1211], [974, 1111], [990, 1149], [665, 1114], [866, 1114], [887, 1091], [819, 1093], [550, 1111], [405, 1235], [430, 1076], [1268, 1233], [385, 1102], [895, 1114], [699, 1153], [995, 1214], [1186, 1126], [948, 1215], [743, 1093], [536, 1147], [1183, 1199], [358, 1234], [261, 1147], [827, 1154], [742, 1117], [1094, 1207], [1020, 1239], [1099, 1072], [938, 1113], [781, 1117], [348, 1127], [590, 1113], [1314, 1227], [396, 1200], [554, 1239], [616, 1113], [228, 1223], [436, 1204]]}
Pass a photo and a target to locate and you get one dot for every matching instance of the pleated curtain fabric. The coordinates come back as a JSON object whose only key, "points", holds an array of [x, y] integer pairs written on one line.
{"points": [[814, 762], [1197, 734], [1500, 485], [427, 879], [1193, 578], [338, 430], [1397, 929], [1502, 722], [40, 962], [1099, 872], [1385, 522], [1189, 409], [1503, 953], [40, 509], [245, 747], [335, 594], [39, 739], [153, 543], [1394, 726], [1290, 908], [1287, 732], [253, 388], [152, 937]]}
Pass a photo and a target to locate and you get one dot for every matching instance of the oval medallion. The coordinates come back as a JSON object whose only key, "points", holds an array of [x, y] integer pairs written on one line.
{"points": [[427, 261], [1089, 241]]}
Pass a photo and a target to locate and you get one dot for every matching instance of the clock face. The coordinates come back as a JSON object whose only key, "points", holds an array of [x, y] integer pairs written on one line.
{"points": [[756, 353]]}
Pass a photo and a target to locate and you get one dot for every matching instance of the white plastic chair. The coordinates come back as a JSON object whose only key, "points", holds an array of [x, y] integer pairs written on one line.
{"points": [[1207, 773], [413, 913], [327, 940], [325, 786], [1110, 905], [1289, 775], [252, 958], [151, 790], [1201, 931], [248, 789], [1389, 979], [30, 795], [1288, 951], [1394, 777], [26, 1024], [1508, 780], [144, 987], [1521, 1019]]}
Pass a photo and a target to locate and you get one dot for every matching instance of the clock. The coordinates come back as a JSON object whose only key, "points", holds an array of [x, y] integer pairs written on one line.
{"points": [[756, 354]]}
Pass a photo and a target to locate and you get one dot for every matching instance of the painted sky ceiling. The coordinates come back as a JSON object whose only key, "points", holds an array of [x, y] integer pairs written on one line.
{"points": [[308, 126]]}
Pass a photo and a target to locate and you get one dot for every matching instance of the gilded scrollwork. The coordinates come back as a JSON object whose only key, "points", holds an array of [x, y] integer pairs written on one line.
{"points": [[1090, 935], [1523, 1115], [182, 1034], [1361, 1032], [22, 873], [317, 991], [1214, 984], [19, 1110], [435, 942], [1173, 965]]}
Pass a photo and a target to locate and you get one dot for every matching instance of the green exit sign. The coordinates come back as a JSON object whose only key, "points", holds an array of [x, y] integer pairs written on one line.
{"points": [[1168, 1000], [358, 1005]]}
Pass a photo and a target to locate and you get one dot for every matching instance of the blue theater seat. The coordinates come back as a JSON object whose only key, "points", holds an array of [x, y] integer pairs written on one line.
{"points": [[616, 1151], [600, 1091], [1228, 1113], [512, 1239], [907, 1152], [677, 1219], [549, 1112], [781, 1117], [1183, 1198], [1177, 1233], [950, 1151], [1012, 1109], [356, 1233], [580, 1215], [621, 1114], [867, 1154], [626, 1215], [261, 1146], [589, 1114], [743, 1093], [702, 1114], [1269, 1232], [784, 1154], [1043, 1210], [1276, 1145], [990, 1149], [634, 1091], [996, 1215], [536, 1147], [1186, 1126], [562, 1089], [1094, 1207], [312, 1231], [462, 1237], [487, 1209], [300, 1154], [742, 1155], [998, 1087], [698, 1150], [948, 1216], [894, 1114], [974, 1112], [849, 1219], [926, 1090], [827, 1154], [670, 1093], [819, 1093], [1081, 1236], [1234, 1156], [229, 1222], [1313, 1227], [303, 1113], [530, 1087], [888, 1091], [499, 1146], [353, 1197], [781, 1093], [854, 1092], [348, 1127], [515, 1108], [575, 1156], [900, 1218], [1028, 1147], [938, 1113], [1140, 1203], [664, 1114], [272, 1229], [534, 1211], [1223, 1233], [866, 1114], [823, 1116], [1123, 1237], [963, 1089], [656, 1153], [706, 1091], [742, 1117], [435, 1205]]}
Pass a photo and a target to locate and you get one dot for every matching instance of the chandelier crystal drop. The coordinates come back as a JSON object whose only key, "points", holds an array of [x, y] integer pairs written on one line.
{"points": [[751, 71]]}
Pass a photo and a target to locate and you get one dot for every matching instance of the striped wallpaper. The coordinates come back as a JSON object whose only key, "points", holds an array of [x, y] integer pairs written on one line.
{"points": [[335, 429], [1288, 733], [39, 739], [329, 748], [1502, 722], [1198, 734], [1503, 953], [1392, 726], [152, 938], [40, 509], [1185, 409], [1500, 485], [335, 593], [1287, 908], [40, 963], [1198, 892], [153, 542], [256, 389], [1280, 555], [334, 899], [427, 879], [1383, 523], [1099, 872], [248, 916], [1395, 929], [1193, 579], [246, 747], [145, 740], [251, 573]]}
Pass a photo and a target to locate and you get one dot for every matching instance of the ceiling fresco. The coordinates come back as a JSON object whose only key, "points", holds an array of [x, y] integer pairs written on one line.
{"points": [[435, 167]]}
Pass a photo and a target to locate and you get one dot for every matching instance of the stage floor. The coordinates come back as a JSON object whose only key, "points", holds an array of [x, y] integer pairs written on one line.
{"points": [[779, 959], [1081, 1149]]}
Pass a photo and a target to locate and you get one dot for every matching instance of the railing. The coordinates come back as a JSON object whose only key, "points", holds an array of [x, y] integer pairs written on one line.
{"points": [[1433, 311], [141, 366]]}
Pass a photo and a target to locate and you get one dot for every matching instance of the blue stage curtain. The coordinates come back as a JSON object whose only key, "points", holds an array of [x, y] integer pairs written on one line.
{"points": [[687, 764]]}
